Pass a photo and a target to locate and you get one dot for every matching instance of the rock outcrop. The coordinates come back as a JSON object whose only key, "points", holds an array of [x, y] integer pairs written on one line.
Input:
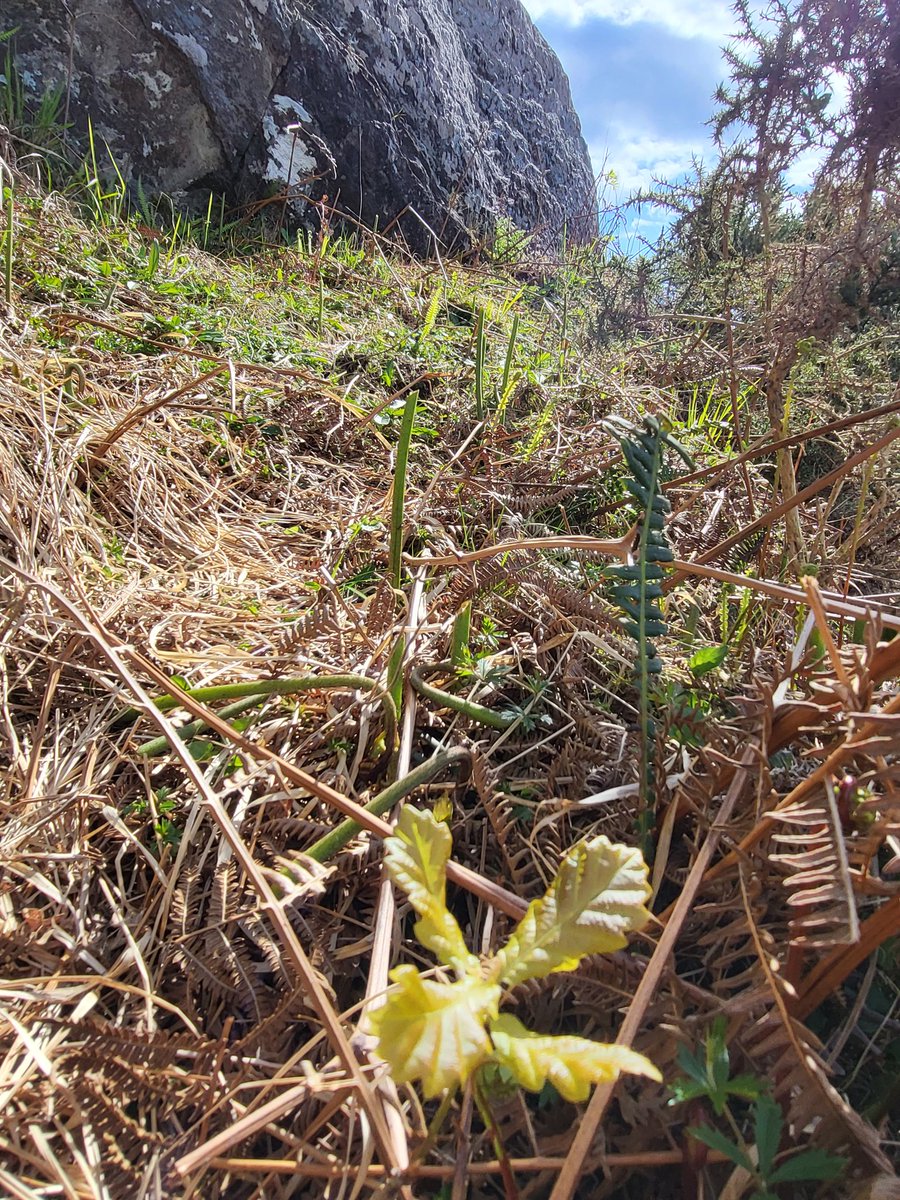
{"points": [[440, 115]]}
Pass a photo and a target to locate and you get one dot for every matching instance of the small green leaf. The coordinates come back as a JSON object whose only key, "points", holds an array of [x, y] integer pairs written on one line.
{"points": [[432, 1031], [571, 1064], [678, 448], [748, 1087], [718, 1141], [809, 1164], [651, 629], [201, 750], [632, 592], [767, 1122], [631, 574], [687, 1089], [636, 454], [596, 898], [692, 1066], [708, 659], [718, 1064], [638, 490], [416, 858]]}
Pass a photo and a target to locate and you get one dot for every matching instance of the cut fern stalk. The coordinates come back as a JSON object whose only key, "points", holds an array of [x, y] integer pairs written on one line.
{"points": [[329, 845], [459, 639]]}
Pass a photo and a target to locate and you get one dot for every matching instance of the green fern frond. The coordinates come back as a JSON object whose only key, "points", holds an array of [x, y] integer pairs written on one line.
{"points": [[431, 315], [639, 592]]}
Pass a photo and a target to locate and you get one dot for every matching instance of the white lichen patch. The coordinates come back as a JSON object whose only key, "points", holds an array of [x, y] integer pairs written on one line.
{"points": [[157, 84], [250, 26], [288, 157], [189, 46], [291, 108]]}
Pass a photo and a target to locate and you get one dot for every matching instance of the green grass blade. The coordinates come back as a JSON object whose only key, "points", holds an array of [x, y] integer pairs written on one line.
{"points": [[508, 361], [479, 366], [395, 565], [8, 244]]}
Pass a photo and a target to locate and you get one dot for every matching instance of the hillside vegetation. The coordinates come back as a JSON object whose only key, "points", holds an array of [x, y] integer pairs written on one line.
{"points": [[600, 548]]}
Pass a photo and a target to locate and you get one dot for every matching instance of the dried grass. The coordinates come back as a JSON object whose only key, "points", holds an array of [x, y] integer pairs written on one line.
{"points": [[171, 1026]]}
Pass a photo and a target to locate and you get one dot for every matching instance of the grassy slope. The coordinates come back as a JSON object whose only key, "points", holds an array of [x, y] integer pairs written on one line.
{"points": [[196, 464]]}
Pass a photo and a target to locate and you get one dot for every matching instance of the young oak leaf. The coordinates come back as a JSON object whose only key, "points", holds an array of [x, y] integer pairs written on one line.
{"points": [[416, 857], [432, 1031], [596, 898], [571, 1064]]}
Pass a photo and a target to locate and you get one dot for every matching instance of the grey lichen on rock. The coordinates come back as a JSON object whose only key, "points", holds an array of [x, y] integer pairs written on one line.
{"points": [[439, 115]]}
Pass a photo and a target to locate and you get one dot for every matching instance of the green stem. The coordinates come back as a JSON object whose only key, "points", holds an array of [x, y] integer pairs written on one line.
{"points": [[459, 640], [398, 499], [435, 1125], [394, 682], [159, 745], [8, 246], [510, 355], [479, 366], [468, 708], [506, 1173], [745, 1148], [329, 845], [563, 347], [257, 689]]}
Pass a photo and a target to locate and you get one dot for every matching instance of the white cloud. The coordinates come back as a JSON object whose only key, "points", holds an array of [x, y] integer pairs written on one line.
{"points": [[685, 18], [638, 157], [803, 169]]}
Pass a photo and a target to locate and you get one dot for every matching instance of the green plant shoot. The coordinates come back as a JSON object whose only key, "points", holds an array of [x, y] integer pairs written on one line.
{"points": [[639, 590], [398, 497], [8, 201], [480, 350], [708, 1079], [440, 1032]]}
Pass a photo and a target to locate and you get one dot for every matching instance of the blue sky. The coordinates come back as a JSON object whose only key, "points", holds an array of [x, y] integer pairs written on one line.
{"points": [[643, 73]]}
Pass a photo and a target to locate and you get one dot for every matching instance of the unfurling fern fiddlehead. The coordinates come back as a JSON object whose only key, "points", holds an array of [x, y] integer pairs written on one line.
{"points": [[640, 590]]}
